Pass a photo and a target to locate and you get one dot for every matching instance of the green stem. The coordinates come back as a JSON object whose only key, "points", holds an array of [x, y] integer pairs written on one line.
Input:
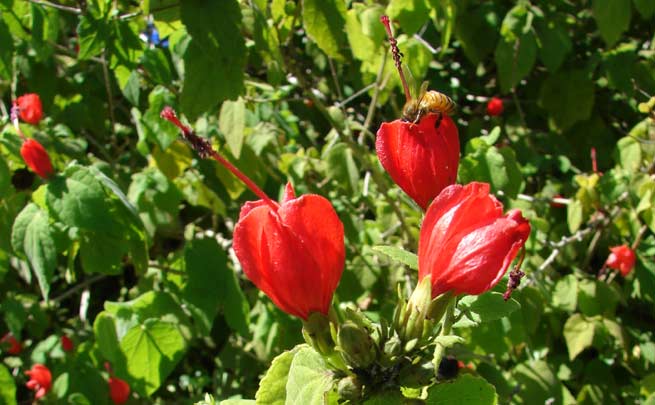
{"points": [[446, 328]]}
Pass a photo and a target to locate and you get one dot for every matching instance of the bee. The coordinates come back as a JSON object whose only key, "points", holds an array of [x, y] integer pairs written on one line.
{"points": [[428, 101]]}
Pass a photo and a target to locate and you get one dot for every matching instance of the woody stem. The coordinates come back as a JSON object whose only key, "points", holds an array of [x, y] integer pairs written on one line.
{"points": [[204, 150], [395, 52]]}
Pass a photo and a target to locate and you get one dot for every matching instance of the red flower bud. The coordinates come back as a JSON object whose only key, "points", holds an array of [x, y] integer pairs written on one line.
{"points": [[40, 380], [466, 243], [36, 157], [621, 258], [495, 107], [420, 158], [119, 390], [30, 109], [67, 344], [10, 344], [295, 254]]}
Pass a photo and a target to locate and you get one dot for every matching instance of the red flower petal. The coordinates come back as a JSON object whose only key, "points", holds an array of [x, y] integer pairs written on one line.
{"points": [[37, 158], [420, 158]]}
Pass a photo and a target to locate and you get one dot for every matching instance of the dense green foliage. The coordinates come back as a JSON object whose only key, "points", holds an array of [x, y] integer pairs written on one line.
{"points": [[127, 249]]}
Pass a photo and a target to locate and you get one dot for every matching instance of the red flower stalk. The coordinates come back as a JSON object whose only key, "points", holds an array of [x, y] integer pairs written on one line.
{"points": [[420, 158], [466, 243], [67, 344], [495, 107], [294, 251], [621, 258], [37, 158], [40, 380], [29, 108], [10, 344]]}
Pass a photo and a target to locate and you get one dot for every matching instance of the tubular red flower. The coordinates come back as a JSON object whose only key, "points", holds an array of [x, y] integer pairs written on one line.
{"points": [[67, 344], [495, 107], [119, 390], [420, 158], [30, 109], [466, 243], [10, 344], [294, 254], [37, 158], [621, 258], [40, 380]]}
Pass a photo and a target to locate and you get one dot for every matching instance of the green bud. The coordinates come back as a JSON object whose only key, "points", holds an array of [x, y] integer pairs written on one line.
{"points": [[316, 331], [417, 309], [644, 108], [356, 345], [350, 388], [336, 114]]}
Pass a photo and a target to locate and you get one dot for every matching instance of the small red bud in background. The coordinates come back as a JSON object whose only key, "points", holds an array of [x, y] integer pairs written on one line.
{"points": [[40, 380], [495, 107], [621, 258], [30, 109], [67, 344], [119, 390], [10, 344], [37, 158]]}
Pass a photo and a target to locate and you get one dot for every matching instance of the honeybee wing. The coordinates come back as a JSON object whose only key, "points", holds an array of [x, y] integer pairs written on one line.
{"points": [[422, 91]]}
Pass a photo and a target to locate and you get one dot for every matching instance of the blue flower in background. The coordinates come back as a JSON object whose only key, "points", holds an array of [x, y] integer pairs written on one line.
{"points": [[151, 36]]}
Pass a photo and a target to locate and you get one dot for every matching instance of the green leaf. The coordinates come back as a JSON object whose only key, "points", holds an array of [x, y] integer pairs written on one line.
{"points": [[538, 383], [574, 215], [232, 123], [620, 65], [629, 151], [217, 50], [7, 387], [324, 22], [92, 35], [155, 62], [400, 255], [488, 306], [465, 390], [32, 236], [6, 51], [341, 167], [78, 199], [152, 350], [212, 284], [568, 96], [596, 298], [128, 82], [555, 43], [103, 252], [565, 295], [365, 33], [411, 15], [104, 329], [516, 51], [272, 387], [645, 7], [578, 334], [477, 31], [309, 379], [612, 17]]}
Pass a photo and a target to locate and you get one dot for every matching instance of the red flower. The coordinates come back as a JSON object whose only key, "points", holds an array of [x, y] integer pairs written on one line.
{"points": [[466, 243], [67, 344], [295, 254], [495, 107], [12, 344], [119, 390], [621, 258], [36, 157], [30, 108], [40, 380], [420, 158]]}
